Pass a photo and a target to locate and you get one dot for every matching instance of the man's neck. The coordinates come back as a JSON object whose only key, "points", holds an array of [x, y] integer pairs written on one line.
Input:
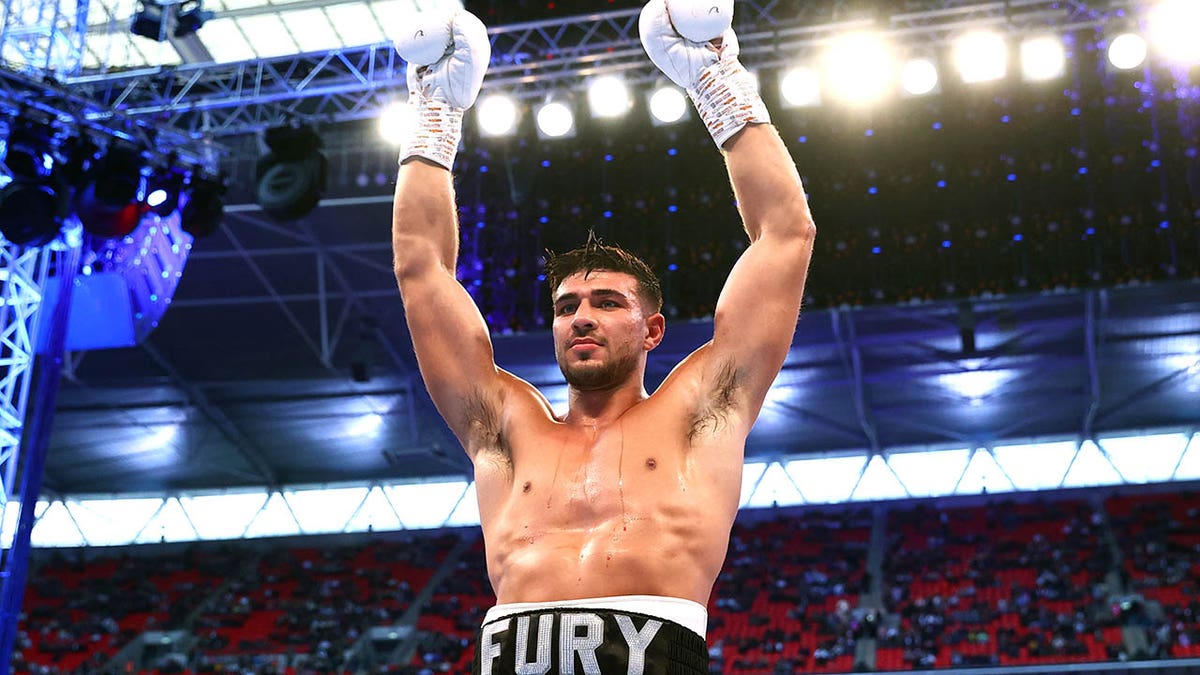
{"points": [[601, 407]]}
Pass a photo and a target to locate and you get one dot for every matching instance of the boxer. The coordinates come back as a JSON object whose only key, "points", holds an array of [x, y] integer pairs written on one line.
{"points": [[606, 527]]}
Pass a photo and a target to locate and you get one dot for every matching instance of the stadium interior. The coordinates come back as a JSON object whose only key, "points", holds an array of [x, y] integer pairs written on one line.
{"points": [[983, 450]]}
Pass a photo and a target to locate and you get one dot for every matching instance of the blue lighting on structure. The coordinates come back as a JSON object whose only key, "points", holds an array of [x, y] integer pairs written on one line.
{"points": [[479, 225], [672, 152], [483, 169], [541, 277], [803, 139], [1155, 164], [545, 163], [672, 208], [870, 133], [1165, 225], [877, 250], [1075, 112], [1005, 119], [872, 190], [672, 267], [608, 214], [1012, 177], [544, 219], [937, 126], [946, 244], [1018, 237], [1083, 170], [608, 158], [1091, 231], [941, 184]]}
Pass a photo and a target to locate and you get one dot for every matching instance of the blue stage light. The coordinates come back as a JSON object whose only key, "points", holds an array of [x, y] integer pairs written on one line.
{"points": [[946, 244]]}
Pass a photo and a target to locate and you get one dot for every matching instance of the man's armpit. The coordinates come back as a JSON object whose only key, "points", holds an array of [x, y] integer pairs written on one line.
{"points": [[481, 419], [721, 400]]}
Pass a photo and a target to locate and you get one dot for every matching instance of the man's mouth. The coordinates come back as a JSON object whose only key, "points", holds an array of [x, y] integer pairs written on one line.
{"points": [[583, 342]]}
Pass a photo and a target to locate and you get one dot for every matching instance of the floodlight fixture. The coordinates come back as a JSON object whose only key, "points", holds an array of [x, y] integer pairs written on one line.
{"points": [[555, 120], [800, 87], [1127, 51], [148, 21], [109, 203], [1172, 29], [190, 17], [396, 122], [163, 188], [981, 56], [860, 68], [290, 179], [919, 77], [608, 97], [1043, 58], [203, 205], [498, 115], [668, 105], [33, 202]]}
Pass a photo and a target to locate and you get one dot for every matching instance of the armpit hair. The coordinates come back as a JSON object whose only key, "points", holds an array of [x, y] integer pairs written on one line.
{"points": [[711, 416], [482, 418]]}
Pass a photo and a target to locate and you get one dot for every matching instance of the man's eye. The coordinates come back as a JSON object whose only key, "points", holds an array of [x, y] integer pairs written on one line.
{"points": [[608, 304], [566, 309]]}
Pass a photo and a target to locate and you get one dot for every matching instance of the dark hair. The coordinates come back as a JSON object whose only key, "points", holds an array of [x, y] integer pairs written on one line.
{"points": [[594, 255]]}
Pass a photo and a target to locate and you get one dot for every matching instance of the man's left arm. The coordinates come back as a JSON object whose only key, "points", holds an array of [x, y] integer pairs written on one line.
{"points": [[757, 311]]}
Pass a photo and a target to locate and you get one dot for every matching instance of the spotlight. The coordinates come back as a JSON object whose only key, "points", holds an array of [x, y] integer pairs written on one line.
{"points": [[162, 192], [1172, 29], [860, 68], [108, 205], [291, 178], [498, 115], [148, 21], [204, 208], [919, 77], [1043, 58], [981, 57], [33, 204], [668, 105], [800, 87], [555, 120], [396, 122], [1127, 51], [608, 97], [191, 17]]}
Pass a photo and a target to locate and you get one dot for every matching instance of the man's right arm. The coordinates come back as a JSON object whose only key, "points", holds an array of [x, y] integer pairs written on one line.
{"points": [[449, 335]]}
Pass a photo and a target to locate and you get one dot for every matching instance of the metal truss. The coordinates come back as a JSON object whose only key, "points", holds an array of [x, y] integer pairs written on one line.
{"points": [[72, 108], [23, 275], [530, 60], [40, 37]]}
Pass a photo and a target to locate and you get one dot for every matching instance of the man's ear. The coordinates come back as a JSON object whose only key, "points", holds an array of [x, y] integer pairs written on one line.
{"points": [[656, 328]]}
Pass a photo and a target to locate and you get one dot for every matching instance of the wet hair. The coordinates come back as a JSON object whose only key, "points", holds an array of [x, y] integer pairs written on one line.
{"points": [[595, 255]]}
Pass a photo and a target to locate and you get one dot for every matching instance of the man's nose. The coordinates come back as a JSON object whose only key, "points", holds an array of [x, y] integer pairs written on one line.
{"points": [[583, 320]]}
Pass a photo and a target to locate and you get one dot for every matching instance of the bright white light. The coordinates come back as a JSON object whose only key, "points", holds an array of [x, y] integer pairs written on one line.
{"points": [[919, 77], [156, 198], [396, 122], [668, 104], [981, 57], [555, 120], [497, 115], [800, 87], [975, 385], [860, 68], [365, 425], [1173, 25], [608, 97], [1043, 58], [1127, 51]]}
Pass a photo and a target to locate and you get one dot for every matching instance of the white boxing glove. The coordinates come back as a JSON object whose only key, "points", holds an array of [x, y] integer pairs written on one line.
{"points": [[723, 91], [441, 92]]}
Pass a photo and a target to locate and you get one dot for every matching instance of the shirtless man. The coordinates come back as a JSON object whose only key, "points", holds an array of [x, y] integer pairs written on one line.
{"points": [[605, 528]]}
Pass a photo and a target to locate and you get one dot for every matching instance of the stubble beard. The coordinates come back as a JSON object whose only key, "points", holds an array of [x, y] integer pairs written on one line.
{"points": [[591, 376]]}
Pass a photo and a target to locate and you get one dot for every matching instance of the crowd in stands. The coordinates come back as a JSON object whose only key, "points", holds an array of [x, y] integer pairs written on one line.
{"points": [[995, 583]]}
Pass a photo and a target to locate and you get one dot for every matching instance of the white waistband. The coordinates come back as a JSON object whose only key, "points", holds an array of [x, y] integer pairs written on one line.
{"points": [[686, 613]]}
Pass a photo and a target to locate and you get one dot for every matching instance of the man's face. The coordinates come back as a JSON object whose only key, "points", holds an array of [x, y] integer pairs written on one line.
{"points": [[600, 329]]}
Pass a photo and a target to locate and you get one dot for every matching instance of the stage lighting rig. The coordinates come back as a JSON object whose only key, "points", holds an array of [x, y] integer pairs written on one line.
{"points": [[108, 203], [159, 20], [35, 201], [163, 188], [291, 178], [204, 205]]}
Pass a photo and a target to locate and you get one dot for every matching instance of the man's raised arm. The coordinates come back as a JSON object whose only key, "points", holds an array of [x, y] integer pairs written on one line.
{"points": [[756, 313], [449, 335]]}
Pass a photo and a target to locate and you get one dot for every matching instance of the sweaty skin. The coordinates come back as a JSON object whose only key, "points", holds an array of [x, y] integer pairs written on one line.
{"points": [[628, 494]]}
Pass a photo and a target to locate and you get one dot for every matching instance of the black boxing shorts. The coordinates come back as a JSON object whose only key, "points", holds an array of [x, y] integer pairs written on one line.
{"points": [[601, 636]]}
